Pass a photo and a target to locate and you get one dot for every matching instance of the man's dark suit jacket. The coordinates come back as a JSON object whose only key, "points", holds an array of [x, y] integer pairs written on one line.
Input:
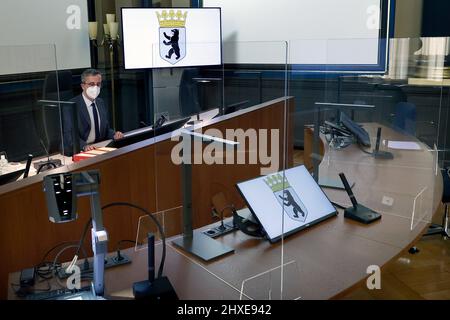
{"points": [[84, 124]]}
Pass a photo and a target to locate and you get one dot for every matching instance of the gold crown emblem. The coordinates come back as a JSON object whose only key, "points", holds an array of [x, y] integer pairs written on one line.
{"points": [[276, 182], [171, 19]]}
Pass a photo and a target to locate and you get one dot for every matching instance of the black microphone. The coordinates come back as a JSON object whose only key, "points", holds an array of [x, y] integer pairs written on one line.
{"points": [[381, 154], [358, 212], [28, 165], [349, 190], [151, 257], [153, 289]]}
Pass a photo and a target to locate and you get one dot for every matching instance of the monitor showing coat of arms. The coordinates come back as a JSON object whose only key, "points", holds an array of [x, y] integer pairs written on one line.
{"points": [[171, 37], [292, 193]]}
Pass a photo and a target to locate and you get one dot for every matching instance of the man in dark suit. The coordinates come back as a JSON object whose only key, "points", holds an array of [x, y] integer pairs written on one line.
{"points": [[93, 124]]}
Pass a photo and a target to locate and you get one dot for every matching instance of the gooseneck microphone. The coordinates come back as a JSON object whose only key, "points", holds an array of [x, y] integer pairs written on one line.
{"points": [[377, 153], [349, 190], [151, 257], [358, 212], [153, 289]]}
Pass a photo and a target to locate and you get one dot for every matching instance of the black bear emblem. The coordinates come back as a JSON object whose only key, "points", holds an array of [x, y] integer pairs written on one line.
{"points": [[173, 41]]}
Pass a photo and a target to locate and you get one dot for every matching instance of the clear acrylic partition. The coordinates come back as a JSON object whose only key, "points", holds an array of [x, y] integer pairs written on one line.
{"points": [[161, 225], [406, 97], [327, 257], [216, 98], [28, 124]]}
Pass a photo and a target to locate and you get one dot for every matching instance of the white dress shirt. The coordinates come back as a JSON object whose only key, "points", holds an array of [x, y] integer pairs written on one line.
{"points": [[91, 136]]}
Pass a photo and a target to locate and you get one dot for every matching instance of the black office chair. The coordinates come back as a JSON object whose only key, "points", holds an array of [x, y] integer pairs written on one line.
{"points": [[189, 93], [47, 119], [405, 118]]}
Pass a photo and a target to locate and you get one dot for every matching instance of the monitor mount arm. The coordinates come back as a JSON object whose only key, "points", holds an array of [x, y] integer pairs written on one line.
{"points": [[61, 193]]}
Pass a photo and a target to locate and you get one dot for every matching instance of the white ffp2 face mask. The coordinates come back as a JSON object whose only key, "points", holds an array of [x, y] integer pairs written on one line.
{"points": [[93, 92]]}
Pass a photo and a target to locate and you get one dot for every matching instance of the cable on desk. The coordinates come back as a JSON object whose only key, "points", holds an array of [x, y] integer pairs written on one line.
{"points": [[45, 268], [338, 205], [22, 293], [160, 229], [86, 227], [53, 248], [88, 223], [363, 150], [54, 268]]}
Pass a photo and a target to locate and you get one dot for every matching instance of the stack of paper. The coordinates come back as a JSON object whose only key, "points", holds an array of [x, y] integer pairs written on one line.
{"points": [[91, 154], [403, 145]]}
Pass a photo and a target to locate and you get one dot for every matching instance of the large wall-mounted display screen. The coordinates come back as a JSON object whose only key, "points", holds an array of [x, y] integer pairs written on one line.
{"points": [[171, 37]]}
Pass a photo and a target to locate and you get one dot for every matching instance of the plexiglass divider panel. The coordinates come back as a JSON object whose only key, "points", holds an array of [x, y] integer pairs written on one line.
{"points": [[368, 124], [30, 111], [263, 170], [222, 140]]}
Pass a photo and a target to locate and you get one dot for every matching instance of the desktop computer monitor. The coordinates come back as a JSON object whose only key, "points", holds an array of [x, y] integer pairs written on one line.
{"points": [[171, 37], [357, 131], [147, 133], [293, 193], [233, 107]]}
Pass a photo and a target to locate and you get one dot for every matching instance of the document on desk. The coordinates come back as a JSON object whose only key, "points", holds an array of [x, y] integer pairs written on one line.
{"points": [[403, 145]]}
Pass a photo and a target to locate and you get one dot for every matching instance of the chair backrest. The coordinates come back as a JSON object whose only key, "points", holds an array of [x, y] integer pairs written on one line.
{"points": [[446, 183], [189, 92], [59, 80], [405, 118], [47, 119]]}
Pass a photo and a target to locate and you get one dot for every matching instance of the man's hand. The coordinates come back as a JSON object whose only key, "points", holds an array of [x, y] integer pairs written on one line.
{"points": [[89, 148], [118, 135]]}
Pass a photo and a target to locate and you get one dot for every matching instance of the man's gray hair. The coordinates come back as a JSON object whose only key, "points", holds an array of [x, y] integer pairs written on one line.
{"points": [[89, 72]]}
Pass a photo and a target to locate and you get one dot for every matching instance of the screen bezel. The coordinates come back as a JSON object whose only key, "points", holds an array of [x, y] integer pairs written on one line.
{"points": [[295, 230], [170, 8]]}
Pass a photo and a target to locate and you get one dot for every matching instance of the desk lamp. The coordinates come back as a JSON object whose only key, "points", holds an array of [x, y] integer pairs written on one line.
{"points": [[61, 191], [195, 242]]}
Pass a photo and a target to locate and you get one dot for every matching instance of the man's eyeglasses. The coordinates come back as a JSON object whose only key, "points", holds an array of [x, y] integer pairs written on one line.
{"points": [[93, 84]]}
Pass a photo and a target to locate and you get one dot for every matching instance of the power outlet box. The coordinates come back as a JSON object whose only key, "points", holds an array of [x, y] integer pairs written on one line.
{"points": [[110, 262]]}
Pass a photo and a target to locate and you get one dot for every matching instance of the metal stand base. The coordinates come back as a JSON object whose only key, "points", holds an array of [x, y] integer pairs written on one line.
{"points": [[437, 229], [361, 214], [440, 229], [202, 246]]}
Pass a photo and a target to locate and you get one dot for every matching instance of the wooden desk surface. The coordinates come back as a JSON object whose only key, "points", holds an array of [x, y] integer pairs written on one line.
{"points": [[324, 261]]}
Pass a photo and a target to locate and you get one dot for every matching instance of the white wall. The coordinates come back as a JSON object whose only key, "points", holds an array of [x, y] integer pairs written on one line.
{"points": [[408, 18], [304, 24], [24, 23]]}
